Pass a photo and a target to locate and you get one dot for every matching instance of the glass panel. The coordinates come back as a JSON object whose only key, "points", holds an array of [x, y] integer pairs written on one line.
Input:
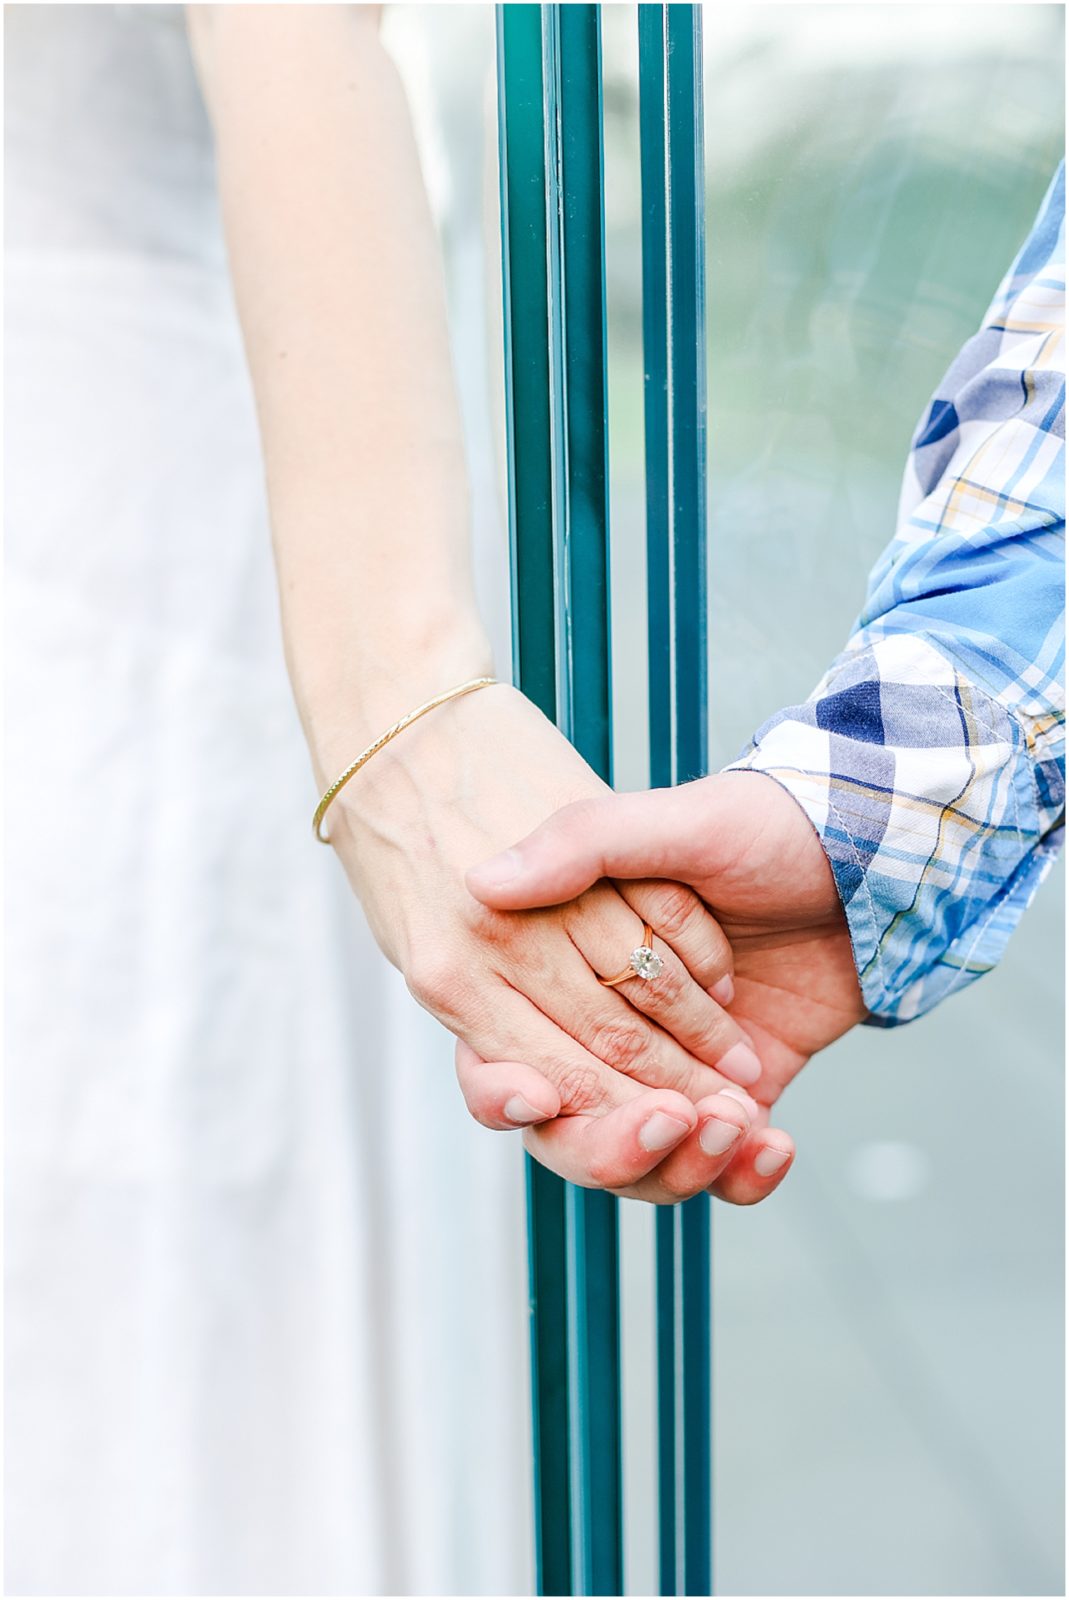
{"points": [[888, 1330]]}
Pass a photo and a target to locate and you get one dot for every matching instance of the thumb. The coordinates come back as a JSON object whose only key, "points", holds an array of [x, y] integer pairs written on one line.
{"points": [[616, 836]]}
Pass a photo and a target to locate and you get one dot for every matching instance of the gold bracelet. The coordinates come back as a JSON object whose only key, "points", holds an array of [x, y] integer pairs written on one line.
{"points": [[391, 733]]}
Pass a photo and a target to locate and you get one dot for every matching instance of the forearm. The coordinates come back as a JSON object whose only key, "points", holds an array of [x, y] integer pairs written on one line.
{"points": [[340, 291], [930, 759]]}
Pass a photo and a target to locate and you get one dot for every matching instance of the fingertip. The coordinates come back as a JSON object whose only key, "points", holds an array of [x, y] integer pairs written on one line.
{"points": [[758, 1169], [518, 1110], [723, 991], [614, 1150], [664, 1121], [504, 1094], [740, 1064], [746, 1101], [662, 1132], [773, 1158], [728, 1109], [673, 1104]]}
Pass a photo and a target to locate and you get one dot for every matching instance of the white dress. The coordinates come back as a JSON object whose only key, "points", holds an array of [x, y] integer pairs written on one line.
{"points": [[265, 1279]]}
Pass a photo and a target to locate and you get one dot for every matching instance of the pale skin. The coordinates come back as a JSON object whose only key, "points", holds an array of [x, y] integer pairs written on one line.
{"points": [[339, 288], [744, 845]]}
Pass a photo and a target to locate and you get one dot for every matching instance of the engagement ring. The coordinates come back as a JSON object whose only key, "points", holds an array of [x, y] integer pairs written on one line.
{"points": [[643, 962]]}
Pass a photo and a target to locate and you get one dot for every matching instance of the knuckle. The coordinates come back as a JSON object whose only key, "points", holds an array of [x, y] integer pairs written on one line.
{"points": [[604, 1171], [698, 1081], [427, 981], [493, 927], [670, 987], [674, 1190], [579, 1086], [485, 922], [653, 1191], [436, 985], [621, 1045], [650, 1190], [676, 908], [712, 1041]]}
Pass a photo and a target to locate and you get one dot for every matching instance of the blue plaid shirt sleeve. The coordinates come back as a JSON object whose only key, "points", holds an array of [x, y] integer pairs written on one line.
{"points": [[930, 757]]}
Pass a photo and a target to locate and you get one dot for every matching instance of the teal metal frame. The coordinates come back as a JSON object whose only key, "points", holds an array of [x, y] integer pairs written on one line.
{"points": [[552, 200], [552, 226], [671, 134], [529, 410]]}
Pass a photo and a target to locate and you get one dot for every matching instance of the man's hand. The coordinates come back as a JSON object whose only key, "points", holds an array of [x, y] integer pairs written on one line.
{"points": [[748, 850]]}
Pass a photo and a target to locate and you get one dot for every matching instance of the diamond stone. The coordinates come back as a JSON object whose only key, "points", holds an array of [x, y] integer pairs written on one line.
{"points": [[646, 962]]}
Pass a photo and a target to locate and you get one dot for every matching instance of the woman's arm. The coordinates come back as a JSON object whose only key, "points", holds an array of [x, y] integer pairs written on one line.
{"points": [[339, 288], [339, 285]]}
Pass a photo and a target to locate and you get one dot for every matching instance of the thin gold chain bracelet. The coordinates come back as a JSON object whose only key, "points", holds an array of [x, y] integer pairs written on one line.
{"points": [[391, 733]]}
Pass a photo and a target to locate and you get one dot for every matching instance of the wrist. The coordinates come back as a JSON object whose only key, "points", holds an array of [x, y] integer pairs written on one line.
{"points": [[432, 786], [783, 844], [346, 702]]}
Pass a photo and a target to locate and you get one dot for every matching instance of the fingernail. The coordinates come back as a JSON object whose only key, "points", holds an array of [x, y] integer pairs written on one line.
{"points": [[723, 992], [748, 1104], [499, 870], [660, 1131], [740, 1063], [521, 1111], [716, 1136], [769, 1160]]}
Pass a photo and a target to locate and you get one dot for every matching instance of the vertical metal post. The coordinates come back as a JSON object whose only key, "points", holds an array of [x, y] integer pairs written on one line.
{"points": [[673, 298], [549, 61], [594, 1240], [521, 103]]}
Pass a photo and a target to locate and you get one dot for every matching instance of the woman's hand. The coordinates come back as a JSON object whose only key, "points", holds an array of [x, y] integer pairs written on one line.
{"points": [[748, 849], [456, 787]]}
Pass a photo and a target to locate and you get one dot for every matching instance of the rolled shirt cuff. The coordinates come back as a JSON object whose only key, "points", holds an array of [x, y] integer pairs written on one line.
{"points": [[925, 793]]}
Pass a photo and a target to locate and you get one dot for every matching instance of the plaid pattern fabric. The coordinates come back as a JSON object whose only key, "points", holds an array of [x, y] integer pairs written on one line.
{"points": [[930, 757]]}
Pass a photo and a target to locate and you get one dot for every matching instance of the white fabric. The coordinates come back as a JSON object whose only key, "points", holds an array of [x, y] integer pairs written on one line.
{"points": [[264, 1321]]}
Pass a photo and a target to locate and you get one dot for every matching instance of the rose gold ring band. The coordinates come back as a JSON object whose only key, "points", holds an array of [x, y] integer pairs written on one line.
{"points": [[633, 968]]}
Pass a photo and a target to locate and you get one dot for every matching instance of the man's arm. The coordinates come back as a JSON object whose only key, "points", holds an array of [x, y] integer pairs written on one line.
{"points": [[930, 758]]}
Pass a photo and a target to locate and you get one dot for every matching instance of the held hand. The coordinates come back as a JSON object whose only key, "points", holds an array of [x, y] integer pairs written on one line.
{"points": [[748, 850], [625, 1064]]}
